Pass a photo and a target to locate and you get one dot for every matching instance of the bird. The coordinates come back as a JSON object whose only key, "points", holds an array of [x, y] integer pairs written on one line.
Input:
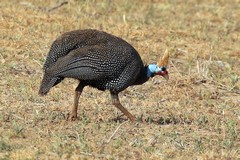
{"points": [[99, 60]]}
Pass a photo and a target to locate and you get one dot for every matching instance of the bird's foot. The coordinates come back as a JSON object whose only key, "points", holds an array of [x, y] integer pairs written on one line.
{"points": [[131, 117], [72, 116]]}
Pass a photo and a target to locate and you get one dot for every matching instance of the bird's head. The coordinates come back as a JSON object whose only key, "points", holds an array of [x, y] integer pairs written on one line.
{"points": [[160, 68]]}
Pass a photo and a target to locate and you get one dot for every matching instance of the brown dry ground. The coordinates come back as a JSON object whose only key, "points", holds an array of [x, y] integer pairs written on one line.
{"points": [[194, 115]]}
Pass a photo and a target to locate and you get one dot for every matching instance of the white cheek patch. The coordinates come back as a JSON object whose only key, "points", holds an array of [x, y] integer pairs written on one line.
{"points": [[158, 69]]}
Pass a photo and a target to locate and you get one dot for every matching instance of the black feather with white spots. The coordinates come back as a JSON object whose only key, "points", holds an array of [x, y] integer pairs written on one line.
{"points": [[96, 58]]}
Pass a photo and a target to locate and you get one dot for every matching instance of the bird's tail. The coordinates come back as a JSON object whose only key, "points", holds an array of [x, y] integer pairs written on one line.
{"points": [[47, 83]]}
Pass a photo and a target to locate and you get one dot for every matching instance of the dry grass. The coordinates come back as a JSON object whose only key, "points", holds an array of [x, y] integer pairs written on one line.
{"points": [[195, 115]]}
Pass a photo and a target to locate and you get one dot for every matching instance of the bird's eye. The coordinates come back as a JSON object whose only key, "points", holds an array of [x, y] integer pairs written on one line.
{"points": [[163, 69]]}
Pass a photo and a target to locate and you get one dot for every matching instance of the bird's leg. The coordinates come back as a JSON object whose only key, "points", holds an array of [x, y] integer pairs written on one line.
{"points": [[116, 103], [78, 92]]}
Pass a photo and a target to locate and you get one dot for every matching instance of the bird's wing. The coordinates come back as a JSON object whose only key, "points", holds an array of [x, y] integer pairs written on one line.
{"points": [[67, 42], [81, 64]]}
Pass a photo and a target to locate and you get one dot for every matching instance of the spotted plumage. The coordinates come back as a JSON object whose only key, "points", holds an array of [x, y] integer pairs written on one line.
{"points": [[97, 59]]}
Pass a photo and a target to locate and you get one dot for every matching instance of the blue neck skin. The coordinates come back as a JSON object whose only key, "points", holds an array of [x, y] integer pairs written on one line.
{"points": [[152, 70]]}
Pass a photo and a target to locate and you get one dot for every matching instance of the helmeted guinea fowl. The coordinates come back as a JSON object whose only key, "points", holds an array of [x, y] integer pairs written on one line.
{"points": [[100, 60]]}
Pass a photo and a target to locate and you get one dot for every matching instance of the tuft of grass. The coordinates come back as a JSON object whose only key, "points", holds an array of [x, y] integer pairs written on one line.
{"points": [[17, 130], [5, 146]]}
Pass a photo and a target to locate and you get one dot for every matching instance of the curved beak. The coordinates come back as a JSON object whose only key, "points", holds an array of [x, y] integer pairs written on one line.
{"points": [[166, 76]]}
